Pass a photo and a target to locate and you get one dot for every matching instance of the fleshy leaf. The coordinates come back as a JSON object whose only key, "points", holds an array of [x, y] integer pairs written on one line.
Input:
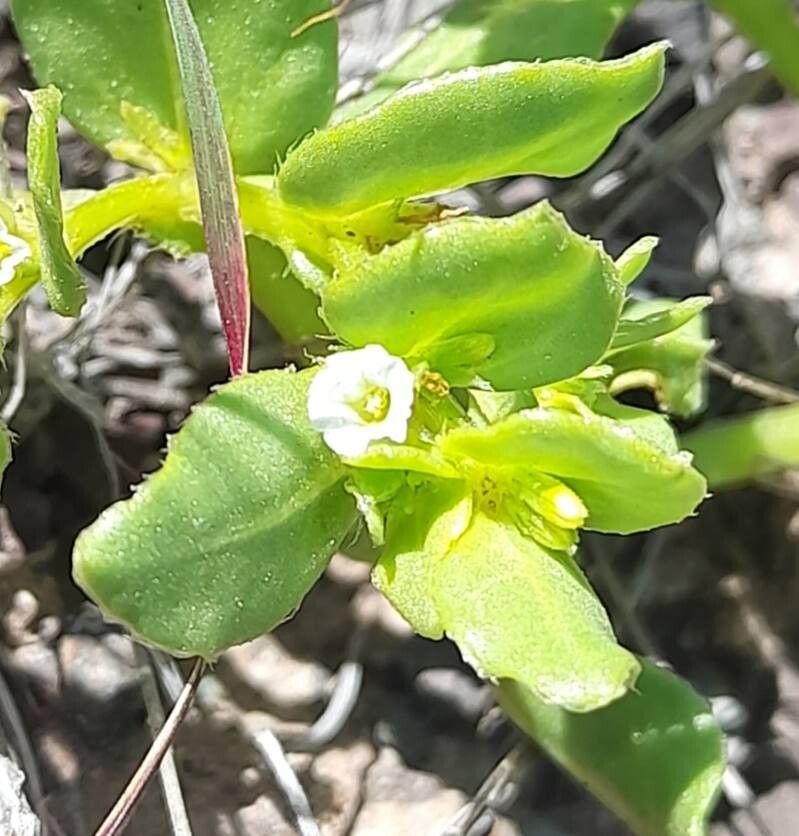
{"points": [[63, 283], [650, 426], [419, 534], [152, 205], [673, 365], [637, 326], [518, 611], [627, 483], [476, 33], [390, 456], [274, 88], [732, 451], [552, 118], [655, 757], [223, 542], [548, 298], [635, 259], [279, 296]]}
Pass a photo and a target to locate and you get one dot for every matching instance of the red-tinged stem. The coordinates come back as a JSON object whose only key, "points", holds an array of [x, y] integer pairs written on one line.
{"points": [[119, 816]]}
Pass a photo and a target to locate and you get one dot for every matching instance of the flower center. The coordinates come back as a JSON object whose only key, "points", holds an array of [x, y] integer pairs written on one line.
{"points": [[373, 404]]}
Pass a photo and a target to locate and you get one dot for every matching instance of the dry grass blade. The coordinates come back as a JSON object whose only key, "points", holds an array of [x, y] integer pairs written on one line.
{"points": [[168, 773], [224, 236]]}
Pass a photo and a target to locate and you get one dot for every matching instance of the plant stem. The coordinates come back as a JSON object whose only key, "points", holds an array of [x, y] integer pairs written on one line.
{"points": [[168, 772], [119, 816]]}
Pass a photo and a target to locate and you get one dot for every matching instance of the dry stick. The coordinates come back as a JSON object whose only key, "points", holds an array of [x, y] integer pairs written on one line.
{"points": [[271, 750], [119, 816], [752, 385], [168, 772], [321, 18], [213, 696], [635, 628], [347, 689], [496, 792], [659, 158]]}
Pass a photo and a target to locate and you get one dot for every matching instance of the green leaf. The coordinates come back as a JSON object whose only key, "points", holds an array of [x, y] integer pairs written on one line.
{"points": [[391, 456], [476, 33], [5, 450], [547, 298], [655, 757], [520, 612], [223, 542], [637, 326], [673, 366], [486, 407], [153, 205], [216, 184], [635, 259], [164, 208], [735, 450], [552, 118], [419, 534], [273, 88], [63, 283], [291, 308], [627, 483], [772, 25], [650, 426]]}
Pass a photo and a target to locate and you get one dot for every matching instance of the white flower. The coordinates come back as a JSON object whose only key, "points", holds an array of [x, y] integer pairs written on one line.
{"points": [[13, 251], [361, 396]]}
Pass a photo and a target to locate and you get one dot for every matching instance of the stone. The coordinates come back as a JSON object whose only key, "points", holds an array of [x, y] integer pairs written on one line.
{"points": [[16, 816], [37, 665], [335, 783], [20, 617], [399, 800], [99, 687], [263, 818], [285, 683], [455, 688], [772, 812], [371, 608], [12, 549]]}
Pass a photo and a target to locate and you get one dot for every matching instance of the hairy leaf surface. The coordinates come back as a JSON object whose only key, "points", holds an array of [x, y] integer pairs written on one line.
{"points": [[552, 118], [63, 283], [518, 611], [519, 301], [224, 541], [627, 483], [476, 33]]}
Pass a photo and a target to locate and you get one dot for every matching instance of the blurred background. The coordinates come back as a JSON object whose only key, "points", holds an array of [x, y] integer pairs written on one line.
{"points": [[380, 732]]}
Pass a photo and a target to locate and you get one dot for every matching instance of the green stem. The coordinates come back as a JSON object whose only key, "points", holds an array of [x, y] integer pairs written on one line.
{"points": [[736, 450]]}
